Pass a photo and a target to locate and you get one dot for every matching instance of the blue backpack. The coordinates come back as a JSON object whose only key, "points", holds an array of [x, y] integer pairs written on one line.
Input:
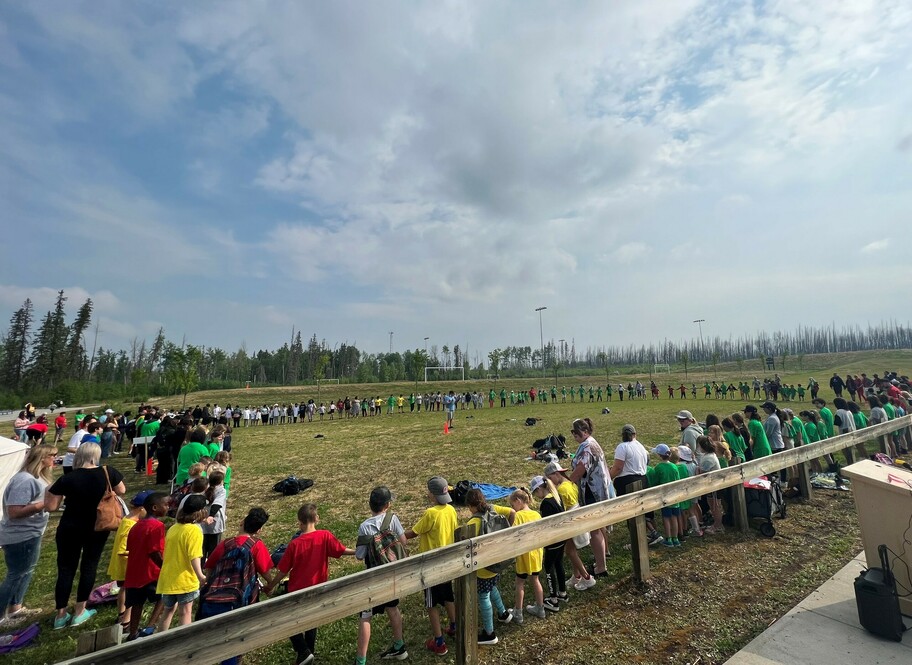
{"points": [[233, 583]]}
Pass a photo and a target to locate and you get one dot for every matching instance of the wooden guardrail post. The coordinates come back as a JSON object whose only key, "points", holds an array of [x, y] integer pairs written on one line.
{"points": [[739, 507], [467, 602], [804, 480], [639, 544], [884, 444]]}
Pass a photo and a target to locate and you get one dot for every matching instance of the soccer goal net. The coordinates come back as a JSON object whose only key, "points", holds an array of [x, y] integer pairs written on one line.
{"points": [[444, 372], [322, 381], [662, 367]]}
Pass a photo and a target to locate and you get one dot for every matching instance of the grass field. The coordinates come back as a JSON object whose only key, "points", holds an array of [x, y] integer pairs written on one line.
{"points": [[706, 600]]}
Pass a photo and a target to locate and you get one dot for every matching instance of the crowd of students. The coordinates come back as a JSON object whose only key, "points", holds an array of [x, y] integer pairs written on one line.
{"points": [[167, 568]]}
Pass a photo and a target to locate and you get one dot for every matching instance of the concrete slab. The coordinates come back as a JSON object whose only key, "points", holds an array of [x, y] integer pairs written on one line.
{"points": [[824, 628]]}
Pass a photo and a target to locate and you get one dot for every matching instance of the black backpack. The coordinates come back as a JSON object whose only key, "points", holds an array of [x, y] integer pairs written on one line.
{"points": [[292, 485], [460, 491]]}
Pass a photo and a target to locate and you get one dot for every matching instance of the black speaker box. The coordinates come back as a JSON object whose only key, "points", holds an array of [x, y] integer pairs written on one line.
{"points": [[878, 604]]}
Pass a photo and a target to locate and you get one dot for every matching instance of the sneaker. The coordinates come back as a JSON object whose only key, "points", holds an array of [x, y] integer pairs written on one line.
{"points": [[517, 616], [82, 618], [668, 543], [437, 649], [395, 654], [654, 538], [451, 631], [585, 584], [11, 621], [506, 616], [713, 530], [304, 660], [678, 543], [536, 611], [573, 581], [487, 638], [656, 543], [62, 622], [24, 613], [563, 597], [552, 604]]}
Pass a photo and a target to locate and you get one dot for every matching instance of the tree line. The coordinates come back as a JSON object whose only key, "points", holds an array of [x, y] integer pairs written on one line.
{"points": [[61, 359]]}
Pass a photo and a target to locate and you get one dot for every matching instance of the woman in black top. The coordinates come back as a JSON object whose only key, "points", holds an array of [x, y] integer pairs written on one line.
{"points": [[76, 536], [543, 490]]}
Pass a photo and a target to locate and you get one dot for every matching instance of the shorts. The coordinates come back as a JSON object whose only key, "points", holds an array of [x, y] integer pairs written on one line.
{"points": [[139, 595], [169, 600], [439, 594], [484, 585], [378, 609], [523, 576], [671, 512]]}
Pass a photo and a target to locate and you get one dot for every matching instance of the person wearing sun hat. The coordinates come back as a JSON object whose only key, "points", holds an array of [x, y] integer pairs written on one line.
{"points": [[436, 529]]}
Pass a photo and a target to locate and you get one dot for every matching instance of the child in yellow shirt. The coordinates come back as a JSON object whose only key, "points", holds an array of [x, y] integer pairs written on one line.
{"points": [[117, 569], [437, 528], [528, 565]]}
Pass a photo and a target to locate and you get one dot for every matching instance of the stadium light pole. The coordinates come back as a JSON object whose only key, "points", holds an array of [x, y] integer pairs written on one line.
{"points": [[700, 323], [425, 344], [542, 337], [391, 341]]}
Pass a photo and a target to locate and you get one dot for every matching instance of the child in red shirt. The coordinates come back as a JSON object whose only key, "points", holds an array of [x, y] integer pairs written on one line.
{"points": [[60, 422], [306, 562], [145, 544]]}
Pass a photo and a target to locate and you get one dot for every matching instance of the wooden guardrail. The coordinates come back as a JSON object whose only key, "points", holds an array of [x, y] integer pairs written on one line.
{"points": [[272, 620]]}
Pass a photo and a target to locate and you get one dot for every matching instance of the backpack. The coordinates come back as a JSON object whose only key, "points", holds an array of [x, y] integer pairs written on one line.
{"points": [[383, 546], [177, 496], [292, 485], [234, 579], [460, 491], [492, 521]]}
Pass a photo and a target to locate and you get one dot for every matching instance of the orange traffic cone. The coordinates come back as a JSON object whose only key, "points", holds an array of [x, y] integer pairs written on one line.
{"points": [[446, 427], [149, 467]]}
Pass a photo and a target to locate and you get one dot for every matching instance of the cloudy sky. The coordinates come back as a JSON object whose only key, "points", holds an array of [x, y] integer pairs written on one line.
{"points": [[440, 169]]}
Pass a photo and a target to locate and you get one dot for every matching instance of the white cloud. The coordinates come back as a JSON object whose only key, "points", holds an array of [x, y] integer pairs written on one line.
{"points": [[876, 246], [446, 165], [630, 252]]}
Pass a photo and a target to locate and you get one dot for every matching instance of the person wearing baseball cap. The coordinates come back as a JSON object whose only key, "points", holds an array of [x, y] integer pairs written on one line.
{"points": [[663, 473], [435, 529], [569, 496], [690, 430]]}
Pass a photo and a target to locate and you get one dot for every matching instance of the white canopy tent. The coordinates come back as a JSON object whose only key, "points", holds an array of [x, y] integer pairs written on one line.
{"points": [[12, 455]]}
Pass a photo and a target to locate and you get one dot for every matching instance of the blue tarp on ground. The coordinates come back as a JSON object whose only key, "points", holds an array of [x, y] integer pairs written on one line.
{"points": [[493, 492]]}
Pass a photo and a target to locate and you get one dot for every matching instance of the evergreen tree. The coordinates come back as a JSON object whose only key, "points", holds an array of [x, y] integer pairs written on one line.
{"points": [[75, 350], [17, 345], [47, 362]]}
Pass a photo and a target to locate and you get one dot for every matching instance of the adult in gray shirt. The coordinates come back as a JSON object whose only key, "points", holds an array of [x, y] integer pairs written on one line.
{"points": [[21, 528]]}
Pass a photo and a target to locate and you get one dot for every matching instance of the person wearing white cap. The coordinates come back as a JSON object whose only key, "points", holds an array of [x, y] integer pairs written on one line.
{"points": [[569, 496], [545, 491], [690, 430]]}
